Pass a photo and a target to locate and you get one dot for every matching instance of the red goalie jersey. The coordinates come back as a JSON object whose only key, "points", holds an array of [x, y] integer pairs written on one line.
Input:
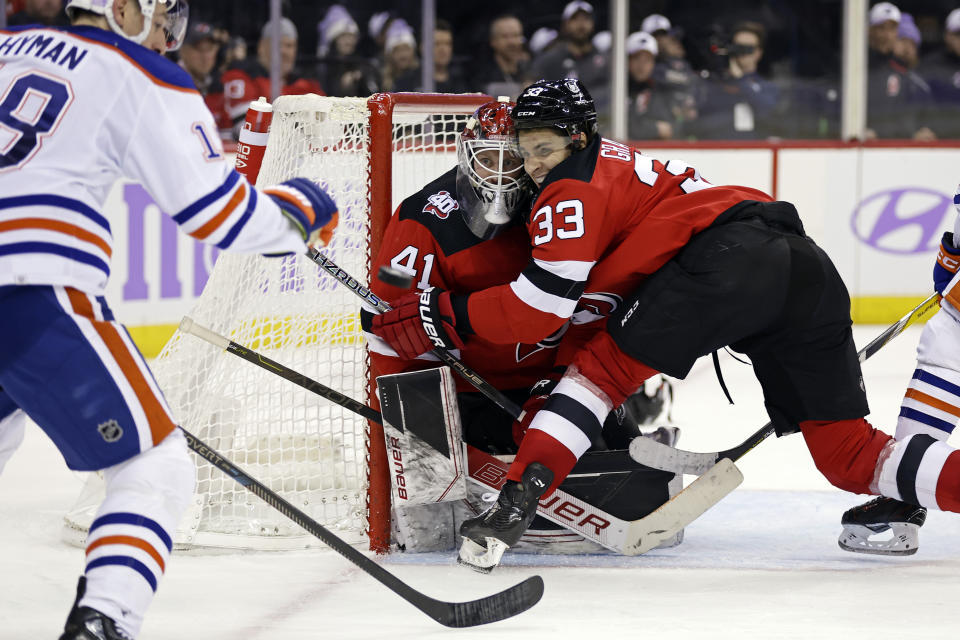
{"points": [[428, 239], [604, 220]]}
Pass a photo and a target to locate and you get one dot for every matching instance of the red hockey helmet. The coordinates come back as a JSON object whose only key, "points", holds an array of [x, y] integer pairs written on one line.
{"points": [[491, 184]]}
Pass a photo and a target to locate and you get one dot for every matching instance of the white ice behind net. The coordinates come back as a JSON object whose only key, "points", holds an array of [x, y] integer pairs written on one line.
{"points": [[309, 450]]}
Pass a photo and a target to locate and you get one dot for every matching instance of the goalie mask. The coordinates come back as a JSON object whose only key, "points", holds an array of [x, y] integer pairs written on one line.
{"points": [[175, 20], [491, 183]]}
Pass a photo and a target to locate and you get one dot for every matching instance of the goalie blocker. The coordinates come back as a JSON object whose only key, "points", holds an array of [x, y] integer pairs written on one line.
{"points": [[424, 420]]}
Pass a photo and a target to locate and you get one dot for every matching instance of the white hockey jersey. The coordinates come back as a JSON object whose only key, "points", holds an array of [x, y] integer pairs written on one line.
{"points": [[82, 107]]}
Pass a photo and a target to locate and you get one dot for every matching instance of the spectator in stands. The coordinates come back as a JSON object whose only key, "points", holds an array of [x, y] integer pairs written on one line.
{"points": [[907, 45], [894, 100], [45, 12], [541, 39], [574, 56], [447, 77], [341, 70], [399, 54], [247, 80], [650, 116], [739, 104], [942, 71], [198, 55], [234, 51], [673, 73], [602, 41], [505, 73]]}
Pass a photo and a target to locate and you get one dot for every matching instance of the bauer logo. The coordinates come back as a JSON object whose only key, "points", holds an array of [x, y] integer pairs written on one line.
{"points": [[902, 221], [441, 204]]}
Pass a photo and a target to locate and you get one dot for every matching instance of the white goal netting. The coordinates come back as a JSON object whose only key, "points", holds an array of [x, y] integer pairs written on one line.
{"points": [[312, 452]]}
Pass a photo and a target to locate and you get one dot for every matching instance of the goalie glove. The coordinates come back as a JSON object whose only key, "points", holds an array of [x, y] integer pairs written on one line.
{"points": [[948, 261], [308, 208], [420, 323]]}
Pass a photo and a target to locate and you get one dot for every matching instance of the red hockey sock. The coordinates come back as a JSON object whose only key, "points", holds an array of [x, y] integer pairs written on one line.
{"points": [[538, 446], [845, 451], [948, 484], [616, 374]]}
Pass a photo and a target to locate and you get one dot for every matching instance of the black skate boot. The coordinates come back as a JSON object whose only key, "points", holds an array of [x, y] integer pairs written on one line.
{"points": [[85, 623], [487, 536], [880, 515]]}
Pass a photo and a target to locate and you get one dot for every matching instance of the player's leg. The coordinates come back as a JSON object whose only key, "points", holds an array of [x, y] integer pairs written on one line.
{"points": [[77, 374], [930, 406]]}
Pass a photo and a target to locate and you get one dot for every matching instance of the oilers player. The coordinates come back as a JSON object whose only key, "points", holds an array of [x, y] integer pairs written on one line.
{"points": [[929, 413], [79, 108], [699, 266]]}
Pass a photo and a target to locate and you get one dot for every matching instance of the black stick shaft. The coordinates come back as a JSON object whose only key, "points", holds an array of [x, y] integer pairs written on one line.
{"points": [[498, 606], [445, 356]]}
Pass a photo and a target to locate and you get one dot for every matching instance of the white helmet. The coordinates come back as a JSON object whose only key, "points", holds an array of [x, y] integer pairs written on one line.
{"points": [[493, 197], [176, 21]]}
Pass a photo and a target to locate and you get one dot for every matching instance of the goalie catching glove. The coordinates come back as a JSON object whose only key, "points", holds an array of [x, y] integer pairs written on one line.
{"points": [[308, 207], [420, 323]]}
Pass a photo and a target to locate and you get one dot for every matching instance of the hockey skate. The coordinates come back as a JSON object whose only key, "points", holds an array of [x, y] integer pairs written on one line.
{"points": [[487, 536], [85, 623], [878, 516]]}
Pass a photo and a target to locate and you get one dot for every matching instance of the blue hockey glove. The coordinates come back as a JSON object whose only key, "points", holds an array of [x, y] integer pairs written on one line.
{"points": [[307, 206], [948, 261]]}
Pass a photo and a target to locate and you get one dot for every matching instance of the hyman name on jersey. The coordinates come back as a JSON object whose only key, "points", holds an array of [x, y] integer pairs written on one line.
{"points": [[46, 45]]}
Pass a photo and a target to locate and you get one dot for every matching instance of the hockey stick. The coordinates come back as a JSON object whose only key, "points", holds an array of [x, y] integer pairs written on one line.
{"points": [[659, 456], [445, 356], [622, 536], [498, 606]]}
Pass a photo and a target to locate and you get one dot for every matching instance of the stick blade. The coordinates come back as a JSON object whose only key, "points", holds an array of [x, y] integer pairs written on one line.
{"points": [[660, 456], [498, 606], [685, 507]]}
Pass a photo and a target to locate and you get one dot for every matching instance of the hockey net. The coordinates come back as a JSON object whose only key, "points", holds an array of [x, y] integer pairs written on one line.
{"points": [[325, 460]]}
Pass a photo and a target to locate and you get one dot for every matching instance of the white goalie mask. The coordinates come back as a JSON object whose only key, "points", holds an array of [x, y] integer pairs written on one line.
{"points": [[175, 22], [492, 186]]}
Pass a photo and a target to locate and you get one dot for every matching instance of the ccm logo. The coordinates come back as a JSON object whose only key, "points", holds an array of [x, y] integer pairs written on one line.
{"points": [[397, 455], [947, 261], [572, 513]]}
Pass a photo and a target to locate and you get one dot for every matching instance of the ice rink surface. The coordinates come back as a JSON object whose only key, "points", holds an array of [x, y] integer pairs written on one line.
{"points": [[764, 563]]}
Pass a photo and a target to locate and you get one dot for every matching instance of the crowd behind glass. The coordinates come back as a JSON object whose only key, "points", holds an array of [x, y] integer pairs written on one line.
{"points": [[749, 70]]}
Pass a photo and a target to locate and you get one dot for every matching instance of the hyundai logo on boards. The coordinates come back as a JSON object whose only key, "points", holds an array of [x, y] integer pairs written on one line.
{"points": [[904, 221]]}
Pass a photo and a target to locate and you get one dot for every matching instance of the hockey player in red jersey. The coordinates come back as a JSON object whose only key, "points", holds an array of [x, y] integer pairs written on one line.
{"points": [[697, 267], [462, 232]]}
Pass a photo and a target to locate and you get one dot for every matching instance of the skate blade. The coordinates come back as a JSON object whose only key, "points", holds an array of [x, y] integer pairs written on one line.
{"points": [[479, 558], [904, 542]]}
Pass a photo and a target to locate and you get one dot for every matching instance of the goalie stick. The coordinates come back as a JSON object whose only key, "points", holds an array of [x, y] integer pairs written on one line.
{"points": [[660, 456], [623, 536]]}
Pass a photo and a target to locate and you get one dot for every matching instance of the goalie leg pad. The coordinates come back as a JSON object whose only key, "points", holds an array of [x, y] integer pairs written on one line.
{"points": [[421, 424]]}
